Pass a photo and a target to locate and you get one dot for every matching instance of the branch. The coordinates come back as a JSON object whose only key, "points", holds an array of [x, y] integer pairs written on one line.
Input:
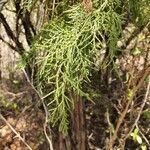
{"points": [[45, 109], [24, 15], [7, 43], [7, 27], [26, 24], [146, 140], [123, 114], [14, 131], [140, 111], [19, 46]]}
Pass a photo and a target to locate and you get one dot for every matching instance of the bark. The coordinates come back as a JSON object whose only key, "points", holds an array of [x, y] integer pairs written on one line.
{"points": [[76, 139]]}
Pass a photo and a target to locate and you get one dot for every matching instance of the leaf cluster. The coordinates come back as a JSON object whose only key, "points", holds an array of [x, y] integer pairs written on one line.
{"points": [[65, 51], [139, 10]]}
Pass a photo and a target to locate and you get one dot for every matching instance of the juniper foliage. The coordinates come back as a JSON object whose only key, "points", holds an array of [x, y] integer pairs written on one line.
{"points": [[65, 52]]}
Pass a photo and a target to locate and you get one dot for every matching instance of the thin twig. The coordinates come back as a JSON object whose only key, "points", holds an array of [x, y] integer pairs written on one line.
{"points": [[111, 127], [45, 109], [123, 114], [7, 43], [140, 111], [53, 9], [17, 134], [146, 140]]}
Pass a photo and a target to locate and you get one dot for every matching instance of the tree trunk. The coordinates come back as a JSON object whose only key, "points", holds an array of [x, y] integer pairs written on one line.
{"points": [[78, 123], [76, 139]]}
